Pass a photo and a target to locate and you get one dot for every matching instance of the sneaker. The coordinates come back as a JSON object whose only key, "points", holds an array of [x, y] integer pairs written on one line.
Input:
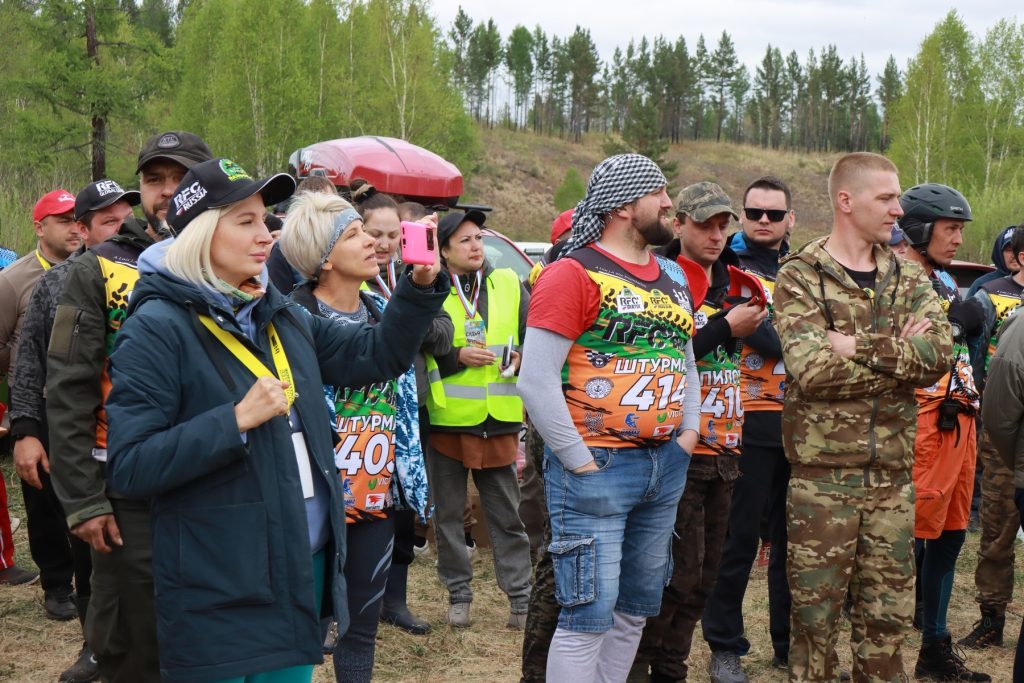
{"points": [[471, 550], [724, 667], [458, 614], [516, 621], [16, 576], [988, 631], [15, 523], [85, 669], [940, 661], [60, 604], [781, 663], [418, 550]]}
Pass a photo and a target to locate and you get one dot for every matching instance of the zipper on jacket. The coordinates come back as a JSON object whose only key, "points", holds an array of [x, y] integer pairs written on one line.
{"points": [[874, 400], [73, 344]]}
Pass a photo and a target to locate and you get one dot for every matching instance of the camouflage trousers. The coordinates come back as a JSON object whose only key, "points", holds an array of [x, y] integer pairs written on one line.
{"points": [[542, 614], [999, 522], [850, 531], [701, 525]]}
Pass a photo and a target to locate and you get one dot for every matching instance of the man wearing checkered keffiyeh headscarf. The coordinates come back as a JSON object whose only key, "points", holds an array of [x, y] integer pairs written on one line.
{"points": [[618, 425], [615, 182]]}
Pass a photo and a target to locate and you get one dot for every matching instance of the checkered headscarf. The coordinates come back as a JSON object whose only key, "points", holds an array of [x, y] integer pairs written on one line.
{"points": [[615, 182]]}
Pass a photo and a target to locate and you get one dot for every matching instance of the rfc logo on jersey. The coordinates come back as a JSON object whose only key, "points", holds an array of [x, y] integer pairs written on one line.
{"points": [[732, 440], [598, 387], [374, 501], [663, 430], [754, 361], [629, 301], [598, 359]]}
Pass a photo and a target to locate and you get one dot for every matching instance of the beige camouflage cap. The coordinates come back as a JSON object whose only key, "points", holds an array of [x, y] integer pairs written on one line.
{"points": [[703, 200]]}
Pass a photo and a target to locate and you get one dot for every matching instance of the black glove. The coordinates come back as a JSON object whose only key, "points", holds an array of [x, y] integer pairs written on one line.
{"points": [[969, 314]]}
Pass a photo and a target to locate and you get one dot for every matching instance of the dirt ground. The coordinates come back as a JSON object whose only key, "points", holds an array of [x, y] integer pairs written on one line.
{"points": [[35, 650]]}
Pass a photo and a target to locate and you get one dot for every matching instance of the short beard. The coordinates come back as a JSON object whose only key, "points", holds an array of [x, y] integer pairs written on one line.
{"points": [[159, 227], [655, 233]]}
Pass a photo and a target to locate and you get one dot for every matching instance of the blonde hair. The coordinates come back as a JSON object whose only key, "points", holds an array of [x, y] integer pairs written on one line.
{"points": [[188, 257], [848, 171], [308, 229]]}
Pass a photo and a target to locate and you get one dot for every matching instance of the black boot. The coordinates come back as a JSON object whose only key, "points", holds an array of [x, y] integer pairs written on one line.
{"points": [[938, 661], [85, 669], [988, 631], [395, 611]]}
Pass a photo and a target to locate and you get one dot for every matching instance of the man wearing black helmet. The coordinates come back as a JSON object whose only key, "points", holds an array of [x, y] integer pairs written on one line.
{"points": [[945, 448]]}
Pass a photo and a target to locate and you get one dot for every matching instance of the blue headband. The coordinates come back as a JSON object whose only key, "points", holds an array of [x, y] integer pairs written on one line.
{"points": [[341, 221]]}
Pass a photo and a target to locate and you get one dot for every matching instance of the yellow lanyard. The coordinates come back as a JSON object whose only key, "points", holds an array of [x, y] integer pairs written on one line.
{"points": [[42, 261], [250, 361]]}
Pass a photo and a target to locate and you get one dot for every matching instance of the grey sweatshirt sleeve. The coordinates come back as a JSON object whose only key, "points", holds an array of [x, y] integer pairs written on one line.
{"points": [[540, 386], [691, 398]]}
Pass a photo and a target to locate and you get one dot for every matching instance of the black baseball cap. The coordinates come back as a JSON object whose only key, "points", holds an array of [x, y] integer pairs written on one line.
{"points": [[447, 226], [101, 194], [218, 183], [187, 149]]}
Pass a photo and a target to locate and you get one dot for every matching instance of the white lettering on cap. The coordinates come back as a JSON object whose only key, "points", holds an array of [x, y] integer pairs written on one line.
{"points": [[105, 187], [189, 197], [167, 141]]}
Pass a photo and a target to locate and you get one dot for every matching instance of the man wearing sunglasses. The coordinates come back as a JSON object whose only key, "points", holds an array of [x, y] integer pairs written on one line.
{"points": [[760, 491]]}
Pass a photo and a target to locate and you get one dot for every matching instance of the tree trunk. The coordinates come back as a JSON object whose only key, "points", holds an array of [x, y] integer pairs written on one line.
{"points": [[98, 136]]}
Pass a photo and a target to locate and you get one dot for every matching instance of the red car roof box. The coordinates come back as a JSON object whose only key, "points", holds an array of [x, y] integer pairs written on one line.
{"points": [[391, 165]]}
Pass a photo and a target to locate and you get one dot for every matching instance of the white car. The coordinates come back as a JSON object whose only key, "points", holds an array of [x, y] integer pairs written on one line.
{"points": [[535, 250]]}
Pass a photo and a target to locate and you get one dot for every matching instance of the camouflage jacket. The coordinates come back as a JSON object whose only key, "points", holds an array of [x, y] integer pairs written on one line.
{"points": [[856, 413]]}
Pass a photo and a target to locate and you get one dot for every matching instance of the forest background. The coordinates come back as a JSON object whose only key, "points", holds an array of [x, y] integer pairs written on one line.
{"points": [[87, 81]]}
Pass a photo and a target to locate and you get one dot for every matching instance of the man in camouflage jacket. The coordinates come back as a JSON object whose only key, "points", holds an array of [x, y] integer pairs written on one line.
{"points": [[860, 331]]}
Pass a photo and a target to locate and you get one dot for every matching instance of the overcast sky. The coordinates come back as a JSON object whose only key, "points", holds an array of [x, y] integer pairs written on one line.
{"points": [[876, 28]]}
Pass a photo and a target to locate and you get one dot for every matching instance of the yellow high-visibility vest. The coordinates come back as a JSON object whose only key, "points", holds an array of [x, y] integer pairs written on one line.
{"points": [[472, 394]]}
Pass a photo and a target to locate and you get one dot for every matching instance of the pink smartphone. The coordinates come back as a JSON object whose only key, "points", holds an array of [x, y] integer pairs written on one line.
{"points": [[418, 245]]}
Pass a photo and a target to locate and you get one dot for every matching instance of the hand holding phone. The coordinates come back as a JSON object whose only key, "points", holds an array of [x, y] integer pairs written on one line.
{"points": [[506, 367], [419, 246]]}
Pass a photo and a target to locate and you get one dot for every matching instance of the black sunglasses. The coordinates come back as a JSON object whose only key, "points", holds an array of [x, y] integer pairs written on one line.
{"points": [[774, 215]]}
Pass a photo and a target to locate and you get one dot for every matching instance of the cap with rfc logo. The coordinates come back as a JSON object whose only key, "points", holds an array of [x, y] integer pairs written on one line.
{"points": [[101, 194], [218, 183]]}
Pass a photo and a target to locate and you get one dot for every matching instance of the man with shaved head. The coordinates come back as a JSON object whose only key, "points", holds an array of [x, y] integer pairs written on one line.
{"points": [[860, 331]]}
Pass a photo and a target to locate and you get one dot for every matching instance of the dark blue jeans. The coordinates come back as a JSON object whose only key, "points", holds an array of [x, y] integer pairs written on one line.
{"points": [[611, 532]]}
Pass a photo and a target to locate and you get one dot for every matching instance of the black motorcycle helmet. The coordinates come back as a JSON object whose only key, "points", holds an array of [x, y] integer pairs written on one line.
{"points": [[924, 204]]}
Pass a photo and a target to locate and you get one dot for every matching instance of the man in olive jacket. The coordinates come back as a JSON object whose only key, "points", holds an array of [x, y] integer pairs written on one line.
{"points": [[860, 331], [121, 623], [1003, 415]]}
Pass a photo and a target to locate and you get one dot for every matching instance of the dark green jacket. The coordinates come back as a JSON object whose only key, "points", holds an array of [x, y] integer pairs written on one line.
{"points": [[75, 362]]}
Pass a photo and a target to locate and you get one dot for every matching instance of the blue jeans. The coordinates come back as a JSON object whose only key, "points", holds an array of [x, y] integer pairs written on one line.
{"points": [[611, 532]]}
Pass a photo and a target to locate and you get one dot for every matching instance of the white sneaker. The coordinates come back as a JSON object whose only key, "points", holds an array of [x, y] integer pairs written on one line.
{"points": [[15, 523], [458, 614], [418, 550], [471, 550]]}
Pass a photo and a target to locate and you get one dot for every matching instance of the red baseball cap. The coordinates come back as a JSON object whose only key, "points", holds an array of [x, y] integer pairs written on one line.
{"points": [[53, 204], [561, 225]]}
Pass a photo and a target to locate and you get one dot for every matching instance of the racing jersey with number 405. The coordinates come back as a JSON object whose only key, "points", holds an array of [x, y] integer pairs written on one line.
{"points": [[365, 455], [625, 377]]}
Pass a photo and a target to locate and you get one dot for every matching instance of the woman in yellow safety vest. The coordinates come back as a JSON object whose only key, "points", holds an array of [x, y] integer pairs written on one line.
{"points": [[477, 427]]}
